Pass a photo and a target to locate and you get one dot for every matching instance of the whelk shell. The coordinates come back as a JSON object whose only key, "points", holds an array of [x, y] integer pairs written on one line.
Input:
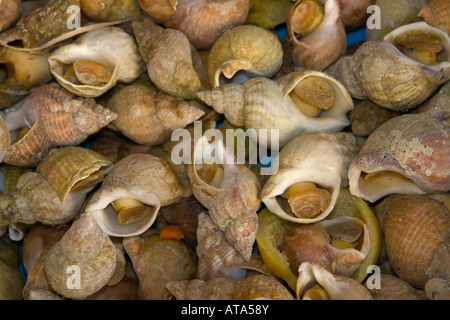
{"points": [[416, 233], [262, 103], [334, 287], [145, 183], [158, 261], [407, 154], [10, 276], [55, 118], [394, 288], [86, 246], [9, 13], [247, 50], [110, 10], [317, 34], [316, 158], [230, 191], [435, 13], [173, 65], [123, 61], [149, 117]]}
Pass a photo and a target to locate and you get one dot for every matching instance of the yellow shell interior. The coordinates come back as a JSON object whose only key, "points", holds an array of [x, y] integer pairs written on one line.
{"points": [[130, 211], [306, 17], [312, 95], [88, 72], [421, 45], [316, 293], [212, 174]]}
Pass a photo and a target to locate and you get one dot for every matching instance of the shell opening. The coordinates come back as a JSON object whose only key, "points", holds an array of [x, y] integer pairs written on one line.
{"points": [[305, 200], [239, 77], [312, 95], [212, 174], [87, 72], [317, 292], [131, 211], [306, 17], [422, 46]]}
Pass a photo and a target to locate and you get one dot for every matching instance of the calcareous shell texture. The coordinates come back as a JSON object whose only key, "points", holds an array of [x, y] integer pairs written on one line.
{"points": [[407, 154], [122, 61], [316, 158]]}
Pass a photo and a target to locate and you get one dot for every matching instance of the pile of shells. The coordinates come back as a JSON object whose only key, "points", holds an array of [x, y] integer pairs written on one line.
{"points": [[117, 184]]}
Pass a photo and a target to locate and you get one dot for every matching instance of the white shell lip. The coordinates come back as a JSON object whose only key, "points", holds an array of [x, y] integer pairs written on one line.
{"points": [[372, 192], [122, 58], [106, 217], [327, 179], [444, 56]]}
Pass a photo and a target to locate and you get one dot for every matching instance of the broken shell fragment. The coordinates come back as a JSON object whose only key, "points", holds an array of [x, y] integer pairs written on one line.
{"points": [[436, 13]]}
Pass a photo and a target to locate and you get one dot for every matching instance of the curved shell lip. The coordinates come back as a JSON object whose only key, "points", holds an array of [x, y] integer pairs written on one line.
{"points": [[368, 192], [106, 217], [270, 191], [444, 56], [83, 90], [343, 98]]}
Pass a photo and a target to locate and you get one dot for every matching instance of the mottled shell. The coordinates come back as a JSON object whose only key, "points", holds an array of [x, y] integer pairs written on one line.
{"points": [[10, 276], [261, 287], [312, 243], [197, 289], [244, 49], [414, 148], [436, 13], [203, 21], [262, 103], [394, 288], [158, 261], [123, 59], [320, 158], [325, 45], [84, 248], [142, 177], [416, 232], [172, 65], [232, 201], [64, 167], [337, 287], [149, 117], [55, 118]]}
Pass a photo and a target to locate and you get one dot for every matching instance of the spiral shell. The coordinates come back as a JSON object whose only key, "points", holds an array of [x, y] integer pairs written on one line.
{"points": [[123, 62], [110, 10], [416, 232], [407, 154], [336, 287], [320, 46], [9, 13], [262, 103], [172, 65], [84, 248], [158, 261], [394, 288], [55, 118], [250, 49], [149, 117], [232, 198], [142, 177], [319, 158]]}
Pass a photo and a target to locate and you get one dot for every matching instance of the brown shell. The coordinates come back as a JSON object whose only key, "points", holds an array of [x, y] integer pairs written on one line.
{"points": [[149, 117], [9, 13], [436, 13], [87, 247], [57, 119], [394, 288], [416, 232], [261, 287], [203, 21], [158, 261], [5, 139], [325, 45]]}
